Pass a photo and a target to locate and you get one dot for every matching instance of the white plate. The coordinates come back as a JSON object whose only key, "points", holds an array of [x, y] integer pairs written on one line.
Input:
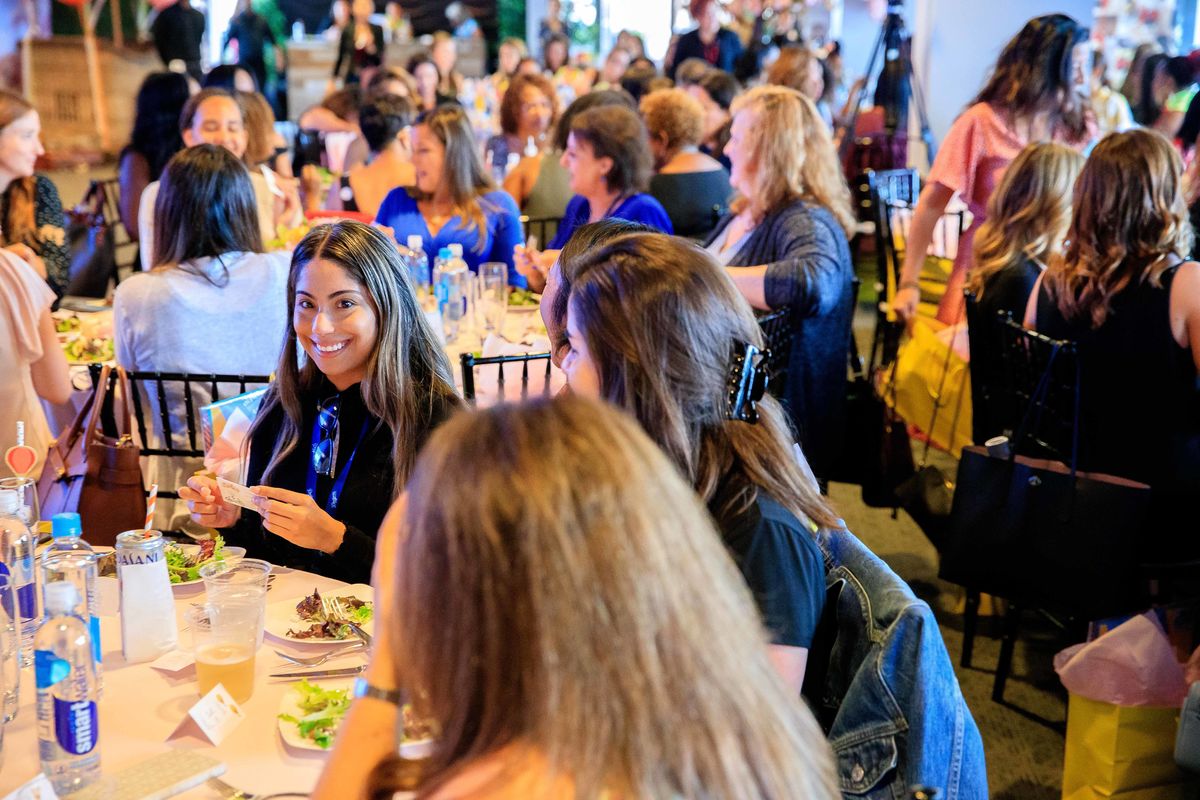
{"points": [[290, 704], [191, 549], [523, 309], [282, 615]]}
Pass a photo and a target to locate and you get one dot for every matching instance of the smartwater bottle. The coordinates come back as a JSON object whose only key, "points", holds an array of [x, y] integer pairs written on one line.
{"points": [[70, 558], [449, 272], [16, 561], [68, 730], [418, 267]]}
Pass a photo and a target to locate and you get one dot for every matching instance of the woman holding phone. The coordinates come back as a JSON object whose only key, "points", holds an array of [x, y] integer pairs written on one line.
{"points": [[337, 432]]}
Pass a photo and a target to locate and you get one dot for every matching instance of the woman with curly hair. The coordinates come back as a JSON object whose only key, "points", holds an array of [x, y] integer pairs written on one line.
{"points": [[528, 112], [1126, 293], [785, 244], [32, 226]]}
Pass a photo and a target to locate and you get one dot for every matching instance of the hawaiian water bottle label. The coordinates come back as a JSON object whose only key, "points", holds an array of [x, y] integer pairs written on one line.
{"points": [[75, 725], [49, 669]]}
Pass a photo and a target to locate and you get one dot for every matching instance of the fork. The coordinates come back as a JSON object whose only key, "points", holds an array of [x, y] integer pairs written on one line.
{"points": [[316, 661]]}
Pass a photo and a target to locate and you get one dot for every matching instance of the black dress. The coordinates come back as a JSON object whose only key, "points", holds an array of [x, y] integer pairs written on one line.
{"points": [[351, 60], [365, 499], [177, 31], [1139, 407], [695, 201]]}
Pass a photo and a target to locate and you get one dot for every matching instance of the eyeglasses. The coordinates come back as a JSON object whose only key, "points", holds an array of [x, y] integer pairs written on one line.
{"points": [[324, 452]]}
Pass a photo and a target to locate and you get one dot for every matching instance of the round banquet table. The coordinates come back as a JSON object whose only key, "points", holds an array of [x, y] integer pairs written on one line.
{"points": [[141, 707]]}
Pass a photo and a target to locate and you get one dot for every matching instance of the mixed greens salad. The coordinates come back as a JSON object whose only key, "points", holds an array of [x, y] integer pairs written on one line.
{"points": [[322, 709], [312, 611], [523, 297], [183, 566]]}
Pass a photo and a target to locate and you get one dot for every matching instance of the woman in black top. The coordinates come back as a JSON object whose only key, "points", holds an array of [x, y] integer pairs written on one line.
{"points": [[1124, 293], [709, 41], [1027, 220], [335, 438], [361, 44]]}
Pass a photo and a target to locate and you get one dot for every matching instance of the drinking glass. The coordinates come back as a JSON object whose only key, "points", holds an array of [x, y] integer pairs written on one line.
{"points": [[223, 635], [243, 581], [10, 642], [493, 294], [26, 490]]}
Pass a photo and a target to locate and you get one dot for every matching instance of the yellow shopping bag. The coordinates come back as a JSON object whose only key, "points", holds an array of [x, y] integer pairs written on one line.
{"points": [[1120, 752], [929, 376]]}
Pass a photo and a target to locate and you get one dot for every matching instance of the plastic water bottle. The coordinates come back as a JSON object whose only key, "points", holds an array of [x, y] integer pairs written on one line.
{"points": [[531, 148], [298, 31], [16, 560], [449, 274], [418, 266], [70, 558], [68, 726]]}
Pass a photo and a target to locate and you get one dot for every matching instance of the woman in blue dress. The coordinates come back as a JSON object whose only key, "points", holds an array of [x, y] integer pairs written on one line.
{"points": [[608, 157], [454, 201]]}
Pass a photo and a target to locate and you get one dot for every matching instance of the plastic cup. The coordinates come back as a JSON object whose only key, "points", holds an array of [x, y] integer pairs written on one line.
{"points": [[223, 643], [242, 581]]}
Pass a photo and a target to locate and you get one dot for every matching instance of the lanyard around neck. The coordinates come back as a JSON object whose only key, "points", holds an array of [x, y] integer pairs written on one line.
{"points": [[335, 494]]}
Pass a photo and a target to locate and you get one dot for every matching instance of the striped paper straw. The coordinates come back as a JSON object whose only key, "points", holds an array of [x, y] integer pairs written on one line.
{"points": [[150, 506]]}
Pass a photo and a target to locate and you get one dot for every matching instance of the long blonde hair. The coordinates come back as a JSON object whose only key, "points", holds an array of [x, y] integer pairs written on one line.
{"points": [[794, 157], [462, 168], [660, 318], [1129, 219], [593, 618], [408, 383], [1029, 213]]}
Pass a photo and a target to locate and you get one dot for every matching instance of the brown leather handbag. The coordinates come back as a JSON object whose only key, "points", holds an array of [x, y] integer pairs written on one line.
{"points": [[97, 475]]}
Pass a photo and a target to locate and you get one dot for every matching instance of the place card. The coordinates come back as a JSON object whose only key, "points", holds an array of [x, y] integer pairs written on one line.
{"points": [[214, 717], [236, 494], [36, 788], [174, 661]]}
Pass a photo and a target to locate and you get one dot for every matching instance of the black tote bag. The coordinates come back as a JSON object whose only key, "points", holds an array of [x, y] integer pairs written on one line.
{"points": [[1041, 533]]}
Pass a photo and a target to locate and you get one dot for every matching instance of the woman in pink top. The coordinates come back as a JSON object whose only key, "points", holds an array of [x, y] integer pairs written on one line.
{"points": [[1033, 95]]}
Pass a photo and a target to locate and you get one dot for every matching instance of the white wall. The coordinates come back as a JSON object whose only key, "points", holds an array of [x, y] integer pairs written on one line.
{"points": [[955, 44]]}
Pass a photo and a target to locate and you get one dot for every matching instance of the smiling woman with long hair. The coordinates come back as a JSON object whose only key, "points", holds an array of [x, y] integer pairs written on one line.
{"points": [[454, 200], [554, 598], [336, 435]]}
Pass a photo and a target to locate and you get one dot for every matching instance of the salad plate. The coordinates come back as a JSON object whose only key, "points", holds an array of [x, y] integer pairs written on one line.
{"points": [[309, 713], [301, 620], [184, 560]]}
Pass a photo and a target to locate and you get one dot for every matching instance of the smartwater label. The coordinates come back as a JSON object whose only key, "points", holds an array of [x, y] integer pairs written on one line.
{"points": [[94, 624], [27, 600], [75, 725]]}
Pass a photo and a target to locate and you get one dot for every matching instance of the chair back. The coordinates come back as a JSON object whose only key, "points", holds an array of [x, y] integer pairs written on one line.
{"points": [[521, 373], [126, 249], [779, 332], [544, 228], [993, 412], [1041, 376], [153, 393]]}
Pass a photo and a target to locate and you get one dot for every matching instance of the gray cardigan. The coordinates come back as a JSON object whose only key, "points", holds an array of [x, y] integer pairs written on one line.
{"points": [[809, 270]]}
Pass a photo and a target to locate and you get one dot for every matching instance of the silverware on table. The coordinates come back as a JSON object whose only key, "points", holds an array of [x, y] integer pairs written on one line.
{"points": [[345, 672], [316, 661], [359, 632]]}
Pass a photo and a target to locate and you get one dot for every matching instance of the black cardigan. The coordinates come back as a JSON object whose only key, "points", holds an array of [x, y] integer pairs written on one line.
{"points": [[365, 499], [809, 270]]}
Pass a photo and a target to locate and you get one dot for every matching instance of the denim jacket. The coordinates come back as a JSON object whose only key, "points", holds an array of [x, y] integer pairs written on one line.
{"points": [[887, 695]]}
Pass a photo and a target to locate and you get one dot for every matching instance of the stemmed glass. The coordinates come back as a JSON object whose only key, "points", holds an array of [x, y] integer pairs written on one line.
{"points": [[493, 295]]}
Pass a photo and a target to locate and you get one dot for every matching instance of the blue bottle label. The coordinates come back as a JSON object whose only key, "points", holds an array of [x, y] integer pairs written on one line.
{"points": [[75, 725], [27, 600], [49, 669]]}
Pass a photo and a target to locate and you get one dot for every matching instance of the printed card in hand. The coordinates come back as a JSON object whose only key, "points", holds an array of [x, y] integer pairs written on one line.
{"points": [[236, 494]]}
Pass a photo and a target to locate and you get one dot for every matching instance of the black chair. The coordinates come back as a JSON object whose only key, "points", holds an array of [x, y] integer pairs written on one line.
{"points": [[469, 361], [544, 228], [881, 192], [127, 250], [155, 385], [779, 331], [993, 412]]}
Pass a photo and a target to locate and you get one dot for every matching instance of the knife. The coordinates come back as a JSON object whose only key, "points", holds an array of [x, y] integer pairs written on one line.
{"points": [[359, 632], [324, 673]]}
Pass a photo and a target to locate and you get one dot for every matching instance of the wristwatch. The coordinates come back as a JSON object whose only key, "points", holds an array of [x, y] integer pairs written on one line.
{"points": [[362, 688]]}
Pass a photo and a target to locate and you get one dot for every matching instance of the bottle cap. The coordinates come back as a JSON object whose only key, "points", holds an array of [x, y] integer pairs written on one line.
{"points": [[10, 503], [456, 249], [445, 252], [415, 242], [61, 597], [65, 524]]}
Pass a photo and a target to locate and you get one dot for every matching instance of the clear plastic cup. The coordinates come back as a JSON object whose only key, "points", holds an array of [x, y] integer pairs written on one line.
{"points": [[223, 643], [242, 581]]}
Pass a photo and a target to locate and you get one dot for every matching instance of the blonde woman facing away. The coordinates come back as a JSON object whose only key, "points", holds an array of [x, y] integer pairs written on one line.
{"points": [[591, 640]]}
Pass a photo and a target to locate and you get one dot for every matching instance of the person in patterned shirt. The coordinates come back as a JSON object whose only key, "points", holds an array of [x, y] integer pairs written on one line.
{"points": [[31, 215]]}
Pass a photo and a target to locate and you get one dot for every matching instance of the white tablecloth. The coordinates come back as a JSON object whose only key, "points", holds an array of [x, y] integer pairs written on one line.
{"points": [[141, 707]]}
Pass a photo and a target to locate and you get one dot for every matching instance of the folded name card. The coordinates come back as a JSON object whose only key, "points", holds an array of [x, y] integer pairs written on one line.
{"points": [[174, 661], [36, 788], [214, 717]]}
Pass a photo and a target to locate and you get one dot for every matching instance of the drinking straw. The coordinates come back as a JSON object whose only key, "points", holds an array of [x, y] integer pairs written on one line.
{"points": [[150, 506]]}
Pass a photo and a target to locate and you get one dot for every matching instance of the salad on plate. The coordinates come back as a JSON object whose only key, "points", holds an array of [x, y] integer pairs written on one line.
{"points": [[312, 714], [184, 561]]}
